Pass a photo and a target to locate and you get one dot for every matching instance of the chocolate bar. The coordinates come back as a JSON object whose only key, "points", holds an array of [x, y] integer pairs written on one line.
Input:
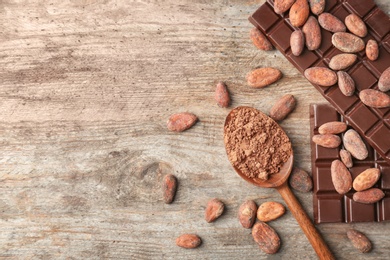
{"points": [[329, 206], [373, 124]]}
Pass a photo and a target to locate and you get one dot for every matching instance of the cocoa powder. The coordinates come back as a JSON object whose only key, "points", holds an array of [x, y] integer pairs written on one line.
{"points": [[255, 144]]}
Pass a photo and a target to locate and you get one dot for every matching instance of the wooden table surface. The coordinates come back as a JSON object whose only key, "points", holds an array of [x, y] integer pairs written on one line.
{"points": [[86, 90]]}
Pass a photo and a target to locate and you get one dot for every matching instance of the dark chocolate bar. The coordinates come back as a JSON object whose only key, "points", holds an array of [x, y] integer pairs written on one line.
{"points": [[329, 206], [373, 124]]}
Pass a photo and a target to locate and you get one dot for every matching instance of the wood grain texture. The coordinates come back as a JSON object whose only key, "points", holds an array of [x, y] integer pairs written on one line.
{"points": [[86, 88]]}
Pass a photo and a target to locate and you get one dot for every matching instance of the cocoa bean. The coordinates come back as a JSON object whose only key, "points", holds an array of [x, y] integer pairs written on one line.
{"points": [[222, 95], [281, 6], [353, 143], [263, 77], [312, 32], [300, 180], [366, 179], [372, 50], [347, 42], [321, 76], [384, 81], [368, 196], [317, 6], [299, 12], [270, 210], [214, 210], [188, 241], [266, 237], [297, 42], [283, 107], [169, 188], [334, 127], [181, 121], [331, 23], [346, 158], [247, 213], [341, 177], [259, 40], [342, 61], [356, 25], [374, 98], [346, 83], [327, 140], [359, 241]]}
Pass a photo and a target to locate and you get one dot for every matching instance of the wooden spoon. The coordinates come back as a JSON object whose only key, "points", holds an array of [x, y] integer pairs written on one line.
{"points": [[279, 181]]}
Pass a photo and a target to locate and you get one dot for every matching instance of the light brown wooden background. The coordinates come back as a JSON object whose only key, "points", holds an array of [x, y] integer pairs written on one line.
{"points": [[86, 88]]}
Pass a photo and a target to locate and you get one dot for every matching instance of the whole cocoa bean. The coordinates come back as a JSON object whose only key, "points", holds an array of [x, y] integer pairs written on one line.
{"points": [[299, 12], [374, 98], [359, 241], [347, 42], [366, 179], [342, 61], [214, 210], [222, 95], [356, 25], [341, 177], [346, 83], [283, 107], [368, 196], [259, 40], [327, 140], [333, 127], [346, 158], [266, 237], [188, 241], [169, 188], [270, 210], [321, 76], [331, 23], [247, 213], [281, 6], [317, 6], [181, 121], [312, 32], [353, 143], [263, 77], [300, 180], [372, 50], [384, 80], [297, 42]]}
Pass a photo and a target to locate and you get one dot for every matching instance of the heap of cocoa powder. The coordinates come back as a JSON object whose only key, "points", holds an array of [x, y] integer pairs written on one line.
{"points": [[255, 144]]}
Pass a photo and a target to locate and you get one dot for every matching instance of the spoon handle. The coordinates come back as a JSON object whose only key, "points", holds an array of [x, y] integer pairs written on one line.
{"points": [[307, 226]]}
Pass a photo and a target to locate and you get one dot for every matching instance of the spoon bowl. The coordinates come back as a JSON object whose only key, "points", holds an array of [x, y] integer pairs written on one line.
{"points": [[279, 181], [274, 180]]}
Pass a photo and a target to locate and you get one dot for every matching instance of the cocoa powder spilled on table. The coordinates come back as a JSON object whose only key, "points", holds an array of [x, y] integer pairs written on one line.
{"points": [[255, 144]]}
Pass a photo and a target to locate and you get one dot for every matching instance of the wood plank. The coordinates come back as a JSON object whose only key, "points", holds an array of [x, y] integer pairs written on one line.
{"points": [[86, 89]]}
